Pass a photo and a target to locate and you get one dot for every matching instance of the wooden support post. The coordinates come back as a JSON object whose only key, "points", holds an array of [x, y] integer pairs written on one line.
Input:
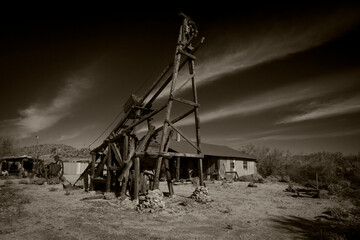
{"points": [[92, 171], [116, 153], [46, 173], [100, 166], [208, 169], [126, 175], [201, 175], [136, 177], [124, 185], [142, 183], [197, 120], [168, 176], [177, 60], [86, 181], [108, 165], [177, 176]]}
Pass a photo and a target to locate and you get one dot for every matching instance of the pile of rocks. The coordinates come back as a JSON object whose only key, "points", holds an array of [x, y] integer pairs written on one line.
{"points": [[201, 195], [152, 200]]}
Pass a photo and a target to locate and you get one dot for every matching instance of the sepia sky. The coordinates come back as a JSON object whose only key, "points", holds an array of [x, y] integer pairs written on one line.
{"points": [[285, 76]]}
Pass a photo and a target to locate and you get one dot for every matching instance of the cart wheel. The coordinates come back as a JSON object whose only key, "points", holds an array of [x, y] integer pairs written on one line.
{"points": [[61, 168]]}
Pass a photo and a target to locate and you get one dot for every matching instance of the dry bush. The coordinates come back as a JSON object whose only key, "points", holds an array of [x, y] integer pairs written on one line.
{"points": [[336, 213], [256, 178]]}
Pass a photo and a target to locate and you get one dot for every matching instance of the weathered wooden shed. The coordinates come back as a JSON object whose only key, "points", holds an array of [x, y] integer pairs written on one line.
{"points": [[13, 164], [218, 162]]}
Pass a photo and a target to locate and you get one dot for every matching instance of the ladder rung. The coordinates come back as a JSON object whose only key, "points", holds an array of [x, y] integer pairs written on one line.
{"points": [[186, 101]]}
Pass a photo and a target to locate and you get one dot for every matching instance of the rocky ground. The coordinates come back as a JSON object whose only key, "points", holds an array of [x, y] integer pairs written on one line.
{"points": [[229, 211]]}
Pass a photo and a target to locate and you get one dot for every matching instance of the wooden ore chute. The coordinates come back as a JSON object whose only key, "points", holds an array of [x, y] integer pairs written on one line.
{"points": [[122, 151]]}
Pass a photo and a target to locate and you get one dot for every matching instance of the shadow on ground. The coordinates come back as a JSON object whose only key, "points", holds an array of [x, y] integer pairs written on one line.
{"points": [[322, 227]]}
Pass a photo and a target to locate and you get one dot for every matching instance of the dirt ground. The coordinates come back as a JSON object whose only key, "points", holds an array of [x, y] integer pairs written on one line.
{"points": [[237, 212]]}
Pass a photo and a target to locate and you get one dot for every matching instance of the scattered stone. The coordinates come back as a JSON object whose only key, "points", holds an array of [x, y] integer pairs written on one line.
{"points": [[128, 204], [251, 184], [54, 180], [23, 181], [109, 195], [152, 200], [291, 188], [201, 195], [38, 181]]}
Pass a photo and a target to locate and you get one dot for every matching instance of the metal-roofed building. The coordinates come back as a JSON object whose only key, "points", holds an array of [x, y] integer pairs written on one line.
{"points": [[218, 162]]}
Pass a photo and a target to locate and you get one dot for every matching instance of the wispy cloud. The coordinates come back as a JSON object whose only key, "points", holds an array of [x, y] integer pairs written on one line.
{"points": [[68, 137], [278, 41], [350, 105], [286, 137], [40, 116], [273, 99], [283, 135]]}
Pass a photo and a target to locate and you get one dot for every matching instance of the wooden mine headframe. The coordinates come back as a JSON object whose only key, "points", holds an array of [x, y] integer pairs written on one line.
{"points": [[122, 150]]}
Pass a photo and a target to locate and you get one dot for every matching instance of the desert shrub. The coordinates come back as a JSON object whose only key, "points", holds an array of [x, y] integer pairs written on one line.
{"points": [[336, 213], [338, 173], [273, 178], [256, 178], [285, 178]]}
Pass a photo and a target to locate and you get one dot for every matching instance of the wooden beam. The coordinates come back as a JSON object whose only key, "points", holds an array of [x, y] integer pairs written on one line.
{"points": [[108, 165], [176, 120], [138, 122], [189, 55], [124, 184], [162, 87], [182, 134], [191, 103], [168, 176], [159, 162], [166, 163], [158, 80], [117, 168], [177, 176], [136, 177], [167, 154], [116, 153], [92, 171], [140, 146], [197, 120], [100, 166]]}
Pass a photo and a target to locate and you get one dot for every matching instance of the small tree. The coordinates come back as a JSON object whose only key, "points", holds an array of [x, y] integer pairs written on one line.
{"points": [[6, 146]]}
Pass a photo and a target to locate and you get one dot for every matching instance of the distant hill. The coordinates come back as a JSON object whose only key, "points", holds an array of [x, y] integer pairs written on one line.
{"points": [[64, 151]]}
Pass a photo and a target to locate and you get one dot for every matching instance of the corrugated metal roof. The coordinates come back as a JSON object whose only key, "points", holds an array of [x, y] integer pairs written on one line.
{"points": [[16, 157], [209, 150]]}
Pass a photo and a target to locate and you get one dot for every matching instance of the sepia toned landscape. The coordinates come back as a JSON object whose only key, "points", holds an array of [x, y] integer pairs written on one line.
{"points": [[237, 212], [248, 130]]}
